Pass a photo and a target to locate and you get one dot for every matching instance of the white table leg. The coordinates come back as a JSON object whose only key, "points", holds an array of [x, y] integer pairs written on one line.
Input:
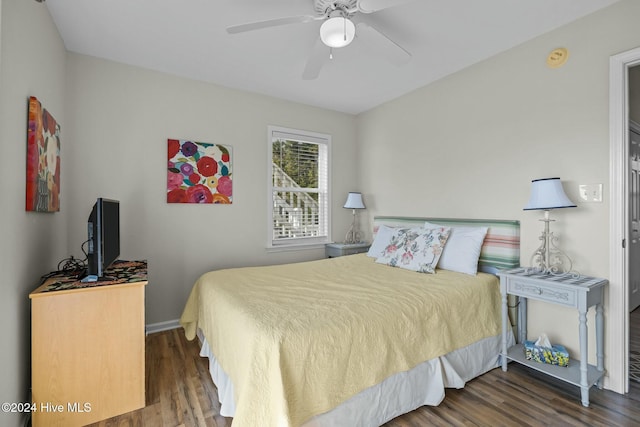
{"points": [[505, 325], [600, 340], [522, 320], [584, 358]]}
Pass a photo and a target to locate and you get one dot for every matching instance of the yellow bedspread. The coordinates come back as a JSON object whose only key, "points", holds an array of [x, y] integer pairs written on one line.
{"points": [[296, 340]]}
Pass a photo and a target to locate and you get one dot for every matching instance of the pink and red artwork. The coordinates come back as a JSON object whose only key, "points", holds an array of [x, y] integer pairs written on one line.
{"points": [[198, 172], [43, 160]]}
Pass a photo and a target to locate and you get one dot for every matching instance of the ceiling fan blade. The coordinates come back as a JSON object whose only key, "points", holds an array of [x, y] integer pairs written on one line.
{"points": [[382, 44], [271, 23], [318, 57], [370, 6]]}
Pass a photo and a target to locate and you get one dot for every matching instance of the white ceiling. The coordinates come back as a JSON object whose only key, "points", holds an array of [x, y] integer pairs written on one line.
{"points": [[188, 38]]}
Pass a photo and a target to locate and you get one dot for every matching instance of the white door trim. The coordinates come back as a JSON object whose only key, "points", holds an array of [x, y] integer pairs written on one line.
{"points": [[618, 316]]}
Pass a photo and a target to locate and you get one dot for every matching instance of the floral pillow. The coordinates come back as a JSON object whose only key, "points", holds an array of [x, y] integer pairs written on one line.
{"points": [[416, 249], [381, 241]]}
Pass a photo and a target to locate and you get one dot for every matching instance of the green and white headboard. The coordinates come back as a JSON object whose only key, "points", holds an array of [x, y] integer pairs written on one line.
{"points": [[501, 247]]}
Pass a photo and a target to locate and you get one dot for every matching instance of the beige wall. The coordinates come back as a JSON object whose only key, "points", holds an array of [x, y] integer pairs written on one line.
{"points": [[32, 63], [122, 117], [469, 145]]}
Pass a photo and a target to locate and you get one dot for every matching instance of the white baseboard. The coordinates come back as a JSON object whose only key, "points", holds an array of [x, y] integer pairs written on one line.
{"points": [[162, 326]]}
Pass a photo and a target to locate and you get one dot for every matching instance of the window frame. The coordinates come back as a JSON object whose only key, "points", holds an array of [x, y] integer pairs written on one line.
{"points": [[305, 137]]}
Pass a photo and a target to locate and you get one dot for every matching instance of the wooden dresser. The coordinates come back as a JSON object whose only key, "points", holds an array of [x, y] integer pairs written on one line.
{"points": [[88, 347]]}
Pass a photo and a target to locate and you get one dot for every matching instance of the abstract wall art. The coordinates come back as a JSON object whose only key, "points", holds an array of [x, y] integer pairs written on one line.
{"points": [[43, 160], [198, 172]]}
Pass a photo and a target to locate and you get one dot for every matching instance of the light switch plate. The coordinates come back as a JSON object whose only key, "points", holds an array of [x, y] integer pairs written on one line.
{"points": [[591, 193]]}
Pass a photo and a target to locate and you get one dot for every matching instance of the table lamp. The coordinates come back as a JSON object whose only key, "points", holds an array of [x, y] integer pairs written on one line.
{"points": [[354, 201], [548, 194]]}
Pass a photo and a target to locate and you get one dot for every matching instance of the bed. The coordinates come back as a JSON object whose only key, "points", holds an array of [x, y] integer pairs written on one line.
{"points": [[351, 341]]}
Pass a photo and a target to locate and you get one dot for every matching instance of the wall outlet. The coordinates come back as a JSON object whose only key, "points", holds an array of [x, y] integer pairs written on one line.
{"points": [[591, 193]]}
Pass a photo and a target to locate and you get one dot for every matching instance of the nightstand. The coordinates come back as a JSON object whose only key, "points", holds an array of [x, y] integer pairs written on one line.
{"points": [[333, 250], [581, 293]]}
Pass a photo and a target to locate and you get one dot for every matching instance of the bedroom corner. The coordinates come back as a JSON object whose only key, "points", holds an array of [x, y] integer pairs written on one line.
{"points": [[488, 130], [32, 243]]}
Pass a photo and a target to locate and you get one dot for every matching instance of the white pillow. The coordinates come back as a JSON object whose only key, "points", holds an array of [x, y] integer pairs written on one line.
{"points": [[380, 241], [416, 249], [462, 251]]}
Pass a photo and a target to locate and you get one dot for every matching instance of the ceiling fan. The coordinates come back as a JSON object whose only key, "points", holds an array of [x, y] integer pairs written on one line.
{"points": [[338, 30]]}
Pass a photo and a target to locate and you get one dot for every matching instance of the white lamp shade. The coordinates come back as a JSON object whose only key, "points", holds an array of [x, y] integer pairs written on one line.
{"points": [[337, 31], [354, 201], [547, 193]]}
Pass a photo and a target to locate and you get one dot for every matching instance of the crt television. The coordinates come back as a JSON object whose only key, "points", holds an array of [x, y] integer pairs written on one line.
{"points": [[103, 229]]}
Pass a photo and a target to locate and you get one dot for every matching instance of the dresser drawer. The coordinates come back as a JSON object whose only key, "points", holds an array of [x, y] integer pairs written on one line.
{"points": [[543, 292], [333, 250], [352, 251]]}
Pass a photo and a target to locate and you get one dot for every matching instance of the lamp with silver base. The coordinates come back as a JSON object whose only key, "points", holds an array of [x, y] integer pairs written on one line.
{"points": [[548, 194], [354, 201]]}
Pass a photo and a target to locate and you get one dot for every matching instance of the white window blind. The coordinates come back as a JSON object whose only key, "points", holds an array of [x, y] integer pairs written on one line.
{"points": [[298, 187]]}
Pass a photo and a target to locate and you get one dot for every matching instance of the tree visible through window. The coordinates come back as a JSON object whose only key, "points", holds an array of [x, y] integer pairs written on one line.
{"points": [[298, 187]]}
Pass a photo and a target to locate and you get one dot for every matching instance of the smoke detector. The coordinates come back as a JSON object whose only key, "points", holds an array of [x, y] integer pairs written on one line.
{"points": [[558, 57]]}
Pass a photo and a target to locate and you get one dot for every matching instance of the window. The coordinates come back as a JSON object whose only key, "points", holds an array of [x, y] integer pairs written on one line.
{"points": [[298, 187]]}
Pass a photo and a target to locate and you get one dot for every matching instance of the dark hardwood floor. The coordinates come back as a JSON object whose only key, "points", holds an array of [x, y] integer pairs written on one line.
{"points": [[180, 393]]}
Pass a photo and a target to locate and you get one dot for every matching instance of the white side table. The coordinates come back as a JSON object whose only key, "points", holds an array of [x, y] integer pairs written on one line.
{"points": [[580, 293], [333, 250]]}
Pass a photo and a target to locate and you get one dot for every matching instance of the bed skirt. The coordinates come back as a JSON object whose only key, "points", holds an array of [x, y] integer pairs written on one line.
{"points": [[397, 395]]}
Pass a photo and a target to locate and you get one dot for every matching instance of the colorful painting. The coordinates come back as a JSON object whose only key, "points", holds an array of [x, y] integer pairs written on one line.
{"points": [[198, 172], [43, 160]]}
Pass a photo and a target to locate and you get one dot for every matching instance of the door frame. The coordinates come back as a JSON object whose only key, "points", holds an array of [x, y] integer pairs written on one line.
{"points": [[634, 128], [618, 319]]}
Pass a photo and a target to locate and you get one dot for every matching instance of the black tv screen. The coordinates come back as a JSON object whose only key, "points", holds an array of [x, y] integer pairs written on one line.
{"points": [[103, 228]]}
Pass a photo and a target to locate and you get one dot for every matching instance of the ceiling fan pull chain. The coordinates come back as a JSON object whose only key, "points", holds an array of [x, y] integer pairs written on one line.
{"points": [[330, 53], [344, 21]]}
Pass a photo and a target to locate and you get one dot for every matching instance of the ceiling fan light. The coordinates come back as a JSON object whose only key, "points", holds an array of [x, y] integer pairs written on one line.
{"points": [[337, 31]]}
